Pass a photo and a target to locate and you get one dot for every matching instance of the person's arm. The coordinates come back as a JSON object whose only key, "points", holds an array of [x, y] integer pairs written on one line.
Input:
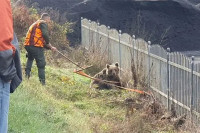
{"points": [[18, 77], [6, 25], [45, 34], [7, 50]]}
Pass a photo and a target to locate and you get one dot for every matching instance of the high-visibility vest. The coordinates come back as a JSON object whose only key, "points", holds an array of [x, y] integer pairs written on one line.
{"points": [[34, 35]]}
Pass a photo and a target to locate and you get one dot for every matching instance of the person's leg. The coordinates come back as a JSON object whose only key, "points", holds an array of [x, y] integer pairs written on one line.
{"points": [[40, 61], [29, 62], [4, 105]]}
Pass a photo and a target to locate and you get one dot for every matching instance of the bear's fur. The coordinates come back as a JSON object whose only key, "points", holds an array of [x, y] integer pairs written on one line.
{"points": [[110, 73]]}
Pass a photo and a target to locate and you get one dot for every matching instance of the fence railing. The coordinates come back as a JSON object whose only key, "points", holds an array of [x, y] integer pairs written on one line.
{"points": [[171, 75]]}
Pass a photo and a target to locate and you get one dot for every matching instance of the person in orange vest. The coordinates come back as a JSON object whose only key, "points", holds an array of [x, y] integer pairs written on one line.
{"points": [[37, 38]]}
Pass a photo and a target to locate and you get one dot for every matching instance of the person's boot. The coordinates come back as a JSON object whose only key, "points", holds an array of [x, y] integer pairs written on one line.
{"points": [[42, 81], [27, 74]]}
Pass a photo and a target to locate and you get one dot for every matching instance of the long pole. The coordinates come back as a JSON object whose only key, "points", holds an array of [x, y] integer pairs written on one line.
{"points": [[70, 60]]}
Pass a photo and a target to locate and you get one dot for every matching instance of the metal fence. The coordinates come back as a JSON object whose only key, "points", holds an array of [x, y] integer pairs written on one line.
{"points": [[171, 75]]}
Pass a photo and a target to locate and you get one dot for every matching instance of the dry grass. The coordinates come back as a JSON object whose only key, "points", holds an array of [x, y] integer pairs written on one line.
{"points": [[144, 119]]}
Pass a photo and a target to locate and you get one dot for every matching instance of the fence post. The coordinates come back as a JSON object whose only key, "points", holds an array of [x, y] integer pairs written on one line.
{"points": [[149, 65], [89, 34], [82, 31], [98, 40], [133, 36], [192, 88], [109, 45], [168, 80], [133, 43], [120, 56]]}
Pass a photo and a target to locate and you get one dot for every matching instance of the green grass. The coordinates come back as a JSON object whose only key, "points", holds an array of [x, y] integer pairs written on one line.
{"points": [[45, 109]]}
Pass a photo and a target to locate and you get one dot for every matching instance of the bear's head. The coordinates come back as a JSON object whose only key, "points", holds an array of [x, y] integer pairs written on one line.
{"points": [[112, 70]]}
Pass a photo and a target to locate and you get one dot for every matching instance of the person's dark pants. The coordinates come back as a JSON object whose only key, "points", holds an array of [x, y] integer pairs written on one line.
{"points": [[36, 53]]}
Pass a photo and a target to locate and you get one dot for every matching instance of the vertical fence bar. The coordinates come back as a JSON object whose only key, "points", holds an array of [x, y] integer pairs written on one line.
{"points": [[197, 94], [168, 80], [188, 86], [82, 31], [133, 58], [133, 41], [192, 88], [181, 84], [89, 34], [98, 39], [109, 45], [149, 66], [175, 76], [184, 86], [178, 82], [133, 44], [120, 56]]}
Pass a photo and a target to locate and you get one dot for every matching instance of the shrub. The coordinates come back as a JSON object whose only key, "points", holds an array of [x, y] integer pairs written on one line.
{"points": [[58, 35], [23, 17]]}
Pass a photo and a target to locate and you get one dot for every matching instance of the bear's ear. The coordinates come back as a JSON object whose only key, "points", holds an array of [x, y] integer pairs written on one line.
{"points": [[117, 64], [107, 66]]}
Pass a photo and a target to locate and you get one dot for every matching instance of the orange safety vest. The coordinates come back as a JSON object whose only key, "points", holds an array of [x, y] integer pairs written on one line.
{"points": [[34, 35]]}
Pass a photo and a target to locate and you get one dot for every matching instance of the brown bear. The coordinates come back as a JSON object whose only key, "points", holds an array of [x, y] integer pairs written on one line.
{"points": [[110, 73]]}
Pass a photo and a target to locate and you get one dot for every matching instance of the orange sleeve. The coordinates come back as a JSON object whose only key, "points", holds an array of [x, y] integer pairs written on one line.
{"points": [[6, 25]]}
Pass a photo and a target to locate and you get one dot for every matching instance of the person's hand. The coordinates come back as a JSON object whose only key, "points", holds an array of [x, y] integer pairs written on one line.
{"points": [[53, 49]]}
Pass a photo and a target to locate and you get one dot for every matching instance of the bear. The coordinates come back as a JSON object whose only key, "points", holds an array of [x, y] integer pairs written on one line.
{"points": [[110, 73]]}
